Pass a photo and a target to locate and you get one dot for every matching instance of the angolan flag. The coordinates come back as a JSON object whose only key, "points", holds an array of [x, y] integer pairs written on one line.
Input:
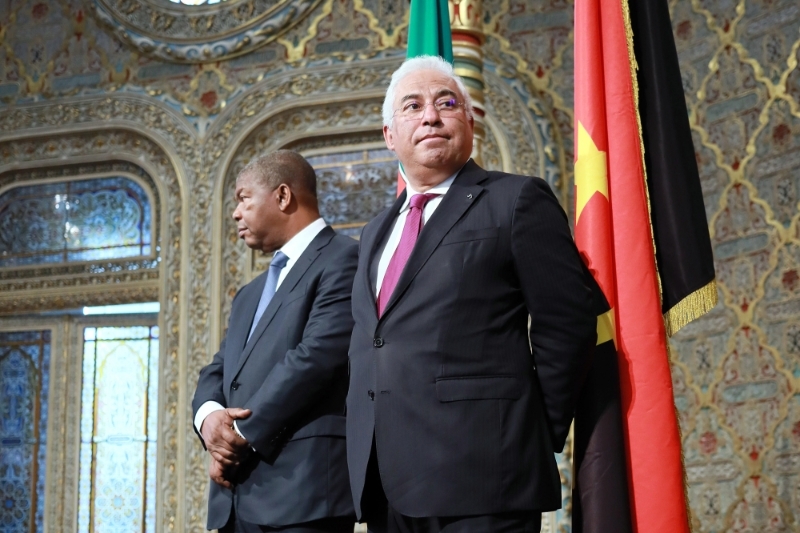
{"points": [[641, 228]]}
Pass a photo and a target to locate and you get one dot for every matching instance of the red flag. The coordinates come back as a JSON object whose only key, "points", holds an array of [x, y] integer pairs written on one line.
{"points": [[613, 231]]}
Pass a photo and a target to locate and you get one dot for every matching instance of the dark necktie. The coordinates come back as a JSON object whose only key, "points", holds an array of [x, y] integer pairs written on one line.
{"points": [[278, 262], [413, 225]]}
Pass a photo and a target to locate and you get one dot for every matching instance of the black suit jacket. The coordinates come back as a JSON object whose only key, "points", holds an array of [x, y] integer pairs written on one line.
{"points": [[292, 374], [466, 413]]}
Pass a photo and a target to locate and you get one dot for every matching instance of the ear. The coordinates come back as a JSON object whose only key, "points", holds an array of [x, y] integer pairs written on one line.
{"points": [[284, 196], [388, 137]]}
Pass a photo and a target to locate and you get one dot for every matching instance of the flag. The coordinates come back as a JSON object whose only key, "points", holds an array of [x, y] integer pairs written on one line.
{"points": [[683, 245], [428, 35], [429, 30], [641, 228]]}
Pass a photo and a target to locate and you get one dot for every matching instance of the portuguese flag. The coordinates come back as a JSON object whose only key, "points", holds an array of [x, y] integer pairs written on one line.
{"points": [[429, 30], [428, 35], [641, 228]]}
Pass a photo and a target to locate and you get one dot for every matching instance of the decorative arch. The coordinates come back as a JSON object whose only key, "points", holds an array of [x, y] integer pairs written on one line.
{"points": [[65, 149]]}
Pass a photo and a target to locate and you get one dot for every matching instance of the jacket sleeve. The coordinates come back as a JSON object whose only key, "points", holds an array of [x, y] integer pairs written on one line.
{"points": [[209, 383], [558, 295], [307, 371]]}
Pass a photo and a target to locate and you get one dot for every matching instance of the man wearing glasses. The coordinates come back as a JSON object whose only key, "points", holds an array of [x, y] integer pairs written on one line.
{"points": [[457, 401]]}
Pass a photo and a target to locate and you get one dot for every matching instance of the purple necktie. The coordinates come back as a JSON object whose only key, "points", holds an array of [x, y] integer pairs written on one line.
{"points": [[414, 223]]}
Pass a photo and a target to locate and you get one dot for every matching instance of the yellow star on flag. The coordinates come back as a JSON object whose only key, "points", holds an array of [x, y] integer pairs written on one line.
{"points": [[591, 171]]}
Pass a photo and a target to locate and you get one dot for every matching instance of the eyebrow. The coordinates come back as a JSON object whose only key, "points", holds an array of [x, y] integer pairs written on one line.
{"points": [[439, 93]]}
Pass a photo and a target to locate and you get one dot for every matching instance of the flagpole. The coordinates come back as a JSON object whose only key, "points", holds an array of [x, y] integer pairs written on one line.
{"points": [[466, 26]]}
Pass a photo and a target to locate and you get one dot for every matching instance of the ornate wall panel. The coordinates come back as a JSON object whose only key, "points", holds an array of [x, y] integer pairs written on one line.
{"points": [[737, 60], [38, 145], [190, 127], [50, 509], [522, 130], [530, 46], [200, 34]]}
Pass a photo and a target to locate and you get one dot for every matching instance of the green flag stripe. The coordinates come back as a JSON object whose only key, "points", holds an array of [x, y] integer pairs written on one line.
{"points": [[429, 30]]}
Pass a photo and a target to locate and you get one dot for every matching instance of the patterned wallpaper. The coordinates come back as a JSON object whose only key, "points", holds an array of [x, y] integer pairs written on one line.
{"points": [[736, 371]]}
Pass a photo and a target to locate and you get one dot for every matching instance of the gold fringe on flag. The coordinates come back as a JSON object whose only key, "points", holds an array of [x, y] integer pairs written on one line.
{"points": [[690, 308]]}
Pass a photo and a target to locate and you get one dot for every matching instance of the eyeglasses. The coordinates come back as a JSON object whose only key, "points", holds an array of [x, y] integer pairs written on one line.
{"points": [[445, 107]]}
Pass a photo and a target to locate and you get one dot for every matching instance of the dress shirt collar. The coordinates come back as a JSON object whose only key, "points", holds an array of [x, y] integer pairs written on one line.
{"points": [[440, 189], [295, 246]]}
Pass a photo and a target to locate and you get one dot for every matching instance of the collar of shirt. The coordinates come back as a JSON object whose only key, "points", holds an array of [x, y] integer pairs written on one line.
{"points": [[295, 246], [394, 236], [440, 189]]}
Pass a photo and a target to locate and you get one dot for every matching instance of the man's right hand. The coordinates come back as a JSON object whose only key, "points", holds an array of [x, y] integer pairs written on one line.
{"points": [[222, 442]]}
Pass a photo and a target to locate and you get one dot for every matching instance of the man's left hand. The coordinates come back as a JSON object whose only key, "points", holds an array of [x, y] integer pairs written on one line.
{"points": [[217, 473]]}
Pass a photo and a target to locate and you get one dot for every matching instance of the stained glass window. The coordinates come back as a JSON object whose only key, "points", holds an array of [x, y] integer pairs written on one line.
{"points": [[355, 186], [85, 220], [24, 371], [117, 484]]}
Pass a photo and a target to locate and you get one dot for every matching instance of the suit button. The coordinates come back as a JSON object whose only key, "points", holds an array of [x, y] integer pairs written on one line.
{"points": [[234, 384], [371, 395], [377, 342]]}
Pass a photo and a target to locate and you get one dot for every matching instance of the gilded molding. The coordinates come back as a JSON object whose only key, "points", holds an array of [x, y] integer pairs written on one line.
{"points": [[550, 99], [524, 132], [466, 17], [190, 34], [378, 21], [78, 297], [296, 51]]}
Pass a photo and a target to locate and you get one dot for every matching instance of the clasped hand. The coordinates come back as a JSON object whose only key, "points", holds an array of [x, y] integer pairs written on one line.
{"points": [[228, 450]]}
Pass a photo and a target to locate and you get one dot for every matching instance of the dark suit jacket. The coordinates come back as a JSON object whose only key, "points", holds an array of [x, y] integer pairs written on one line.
{"points": [[292, 374], [466, 414]]}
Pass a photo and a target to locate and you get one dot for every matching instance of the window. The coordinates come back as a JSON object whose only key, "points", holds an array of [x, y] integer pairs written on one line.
{"points": [[353, 187], [85, 220], [119, 401], [24, 371]]}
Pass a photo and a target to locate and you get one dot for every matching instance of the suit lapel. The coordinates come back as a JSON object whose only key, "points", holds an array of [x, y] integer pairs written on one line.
{"points": [[459, 198], [240, 322], [297, 272], [383, 224]]}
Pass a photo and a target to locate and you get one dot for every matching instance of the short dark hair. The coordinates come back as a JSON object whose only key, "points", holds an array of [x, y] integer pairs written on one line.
{"points": [[283, 166]]}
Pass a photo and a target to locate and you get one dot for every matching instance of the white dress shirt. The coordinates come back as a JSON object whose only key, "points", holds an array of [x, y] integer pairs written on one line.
{"points": [[397, 231], [293, 249]]}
